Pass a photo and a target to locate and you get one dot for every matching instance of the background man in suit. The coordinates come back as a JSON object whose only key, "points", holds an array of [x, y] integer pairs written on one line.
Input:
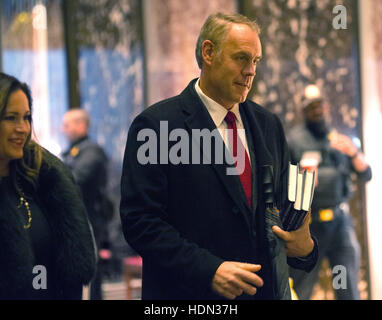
{"points": [[88, 163], [204, 233]]}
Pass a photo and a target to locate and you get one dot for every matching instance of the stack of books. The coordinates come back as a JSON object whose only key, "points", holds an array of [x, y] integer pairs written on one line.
{"points": [[300, 196]]}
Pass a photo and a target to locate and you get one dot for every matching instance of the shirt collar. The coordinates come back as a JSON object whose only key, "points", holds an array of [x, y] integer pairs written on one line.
{"points": [[216, 110]]}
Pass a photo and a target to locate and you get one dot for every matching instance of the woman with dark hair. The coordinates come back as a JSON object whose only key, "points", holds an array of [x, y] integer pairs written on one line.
{"points": [[46, 243]]}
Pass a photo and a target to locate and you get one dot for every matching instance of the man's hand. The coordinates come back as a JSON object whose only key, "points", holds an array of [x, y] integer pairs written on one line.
{"points": [[343, 144], [232, 279], [298, 243]]}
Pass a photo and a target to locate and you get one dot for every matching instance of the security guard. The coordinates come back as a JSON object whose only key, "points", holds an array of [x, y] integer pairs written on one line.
{"points": [[337, 159], [88, 163]]}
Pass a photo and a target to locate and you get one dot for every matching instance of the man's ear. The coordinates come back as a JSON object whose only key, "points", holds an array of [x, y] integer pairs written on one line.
{"points": [[208, 52]]}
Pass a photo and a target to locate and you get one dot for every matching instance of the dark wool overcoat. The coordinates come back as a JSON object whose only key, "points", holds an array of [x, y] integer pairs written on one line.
{"points": [[185, 219]]}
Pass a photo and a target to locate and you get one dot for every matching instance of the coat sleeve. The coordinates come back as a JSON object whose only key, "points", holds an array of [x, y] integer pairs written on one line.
{"points": [[304, 263], [144, 214], [284, 158], [364, 176], [90, 161]]}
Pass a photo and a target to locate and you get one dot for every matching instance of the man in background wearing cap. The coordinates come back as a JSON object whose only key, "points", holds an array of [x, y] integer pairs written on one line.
{"points": [[336, 158]]}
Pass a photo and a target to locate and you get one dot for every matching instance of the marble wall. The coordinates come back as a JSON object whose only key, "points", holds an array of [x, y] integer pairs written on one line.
{"points": [[371, 62], [171, 30], [376, 22], [301, 46], [110, 50]]}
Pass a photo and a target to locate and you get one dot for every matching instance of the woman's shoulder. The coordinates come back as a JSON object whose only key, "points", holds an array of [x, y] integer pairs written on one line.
{"points": [[53, 169], [50, 158]]}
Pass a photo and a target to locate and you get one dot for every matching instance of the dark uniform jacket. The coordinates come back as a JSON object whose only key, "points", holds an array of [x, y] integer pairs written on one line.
{"points": [[88, 163], [186, 219]]}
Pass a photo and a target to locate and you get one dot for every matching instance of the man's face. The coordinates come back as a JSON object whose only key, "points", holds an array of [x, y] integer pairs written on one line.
{"points": [[317, 112], [71, 127], [316, 116], [233, 67]]}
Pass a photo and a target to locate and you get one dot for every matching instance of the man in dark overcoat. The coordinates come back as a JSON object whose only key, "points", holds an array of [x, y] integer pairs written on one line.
{"points": [[193, 197]]}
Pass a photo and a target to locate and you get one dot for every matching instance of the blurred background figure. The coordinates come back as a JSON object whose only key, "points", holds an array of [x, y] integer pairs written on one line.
{"points": [[88, 162], [336, 158], [43, 221]]}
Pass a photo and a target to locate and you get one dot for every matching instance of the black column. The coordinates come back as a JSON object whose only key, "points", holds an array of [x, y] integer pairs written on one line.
{"points": [[69, 8]]}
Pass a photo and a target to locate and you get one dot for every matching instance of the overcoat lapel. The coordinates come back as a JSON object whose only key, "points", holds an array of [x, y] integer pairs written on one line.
{"points": [[263, 156], [260, 155]]}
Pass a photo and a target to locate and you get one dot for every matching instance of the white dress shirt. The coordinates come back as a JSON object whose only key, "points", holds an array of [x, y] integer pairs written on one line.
{"points": [[218, 114]]}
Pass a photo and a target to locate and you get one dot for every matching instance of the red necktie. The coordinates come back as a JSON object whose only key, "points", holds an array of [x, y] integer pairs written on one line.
{"points": [[246, 175]]}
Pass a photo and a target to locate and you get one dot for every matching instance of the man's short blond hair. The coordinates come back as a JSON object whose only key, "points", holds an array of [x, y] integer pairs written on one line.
{"points": [[216, 29]]}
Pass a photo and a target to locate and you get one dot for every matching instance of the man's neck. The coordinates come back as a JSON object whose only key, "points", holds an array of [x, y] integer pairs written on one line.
{"points": [[203, 84]]}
